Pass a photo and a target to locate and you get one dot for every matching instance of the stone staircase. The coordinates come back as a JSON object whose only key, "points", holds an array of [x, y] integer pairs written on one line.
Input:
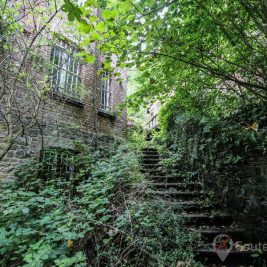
{"points": [[207, 219]]}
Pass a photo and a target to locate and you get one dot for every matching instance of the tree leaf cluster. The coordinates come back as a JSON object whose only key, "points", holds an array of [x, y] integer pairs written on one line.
{"points": [[184, 46], [201, 146]]}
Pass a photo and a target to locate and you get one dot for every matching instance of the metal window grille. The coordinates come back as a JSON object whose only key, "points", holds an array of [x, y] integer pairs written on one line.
{"points": [[57, 163], [66, 70], [105, 92]]}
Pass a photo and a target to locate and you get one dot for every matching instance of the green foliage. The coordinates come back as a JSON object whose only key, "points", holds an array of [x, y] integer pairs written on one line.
{"points": [[137, 135], [149, 234], [90, 215], [204, 145], [44, 223], [73, 10], [184, 47]]}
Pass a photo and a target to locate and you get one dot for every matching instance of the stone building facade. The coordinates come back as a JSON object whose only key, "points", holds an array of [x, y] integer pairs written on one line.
{"points": [[63, 117]]}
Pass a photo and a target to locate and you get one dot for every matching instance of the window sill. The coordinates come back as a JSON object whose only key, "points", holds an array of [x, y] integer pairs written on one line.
{"points": [[106, 114], [68, 99]]}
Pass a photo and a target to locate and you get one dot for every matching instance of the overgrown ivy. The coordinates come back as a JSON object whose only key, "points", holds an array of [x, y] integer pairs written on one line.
{"points": [[202, 146]]}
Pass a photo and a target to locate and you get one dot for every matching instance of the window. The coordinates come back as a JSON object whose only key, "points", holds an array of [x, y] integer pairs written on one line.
{"points": [[105, 92], [57, 163], [66, 70], [153, 123]]}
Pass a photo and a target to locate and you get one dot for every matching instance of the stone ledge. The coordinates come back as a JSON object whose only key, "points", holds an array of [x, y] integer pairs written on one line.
{"points": [[106, 114], [67, 99]]}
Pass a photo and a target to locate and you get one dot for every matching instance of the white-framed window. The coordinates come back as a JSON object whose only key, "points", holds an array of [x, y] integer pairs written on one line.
{"points": [[105, 96], [66, 71]]}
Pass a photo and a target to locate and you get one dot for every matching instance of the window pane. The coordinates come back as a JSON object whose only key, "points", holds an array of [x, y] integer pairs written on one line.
{"points": [[105, 92], [65, 73]]}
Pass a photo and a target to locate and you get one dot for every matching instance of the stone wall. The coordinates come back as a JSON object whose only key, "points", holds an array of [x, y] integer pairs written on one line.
{"points": [[243, 192]]}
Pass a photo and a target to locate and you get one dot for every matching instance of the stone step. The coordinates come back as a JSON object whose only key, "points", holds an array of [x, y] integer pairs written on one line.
{"points": [[235, 258], [151, 165], [148, 158], [151, 172], [150, 154], [192, 206], [171, 194], [145, 150], [183, 191], [150, 161], [181, 205], [163, 178], [180, 186], [149, 149], [197, 219], [209, 234]]}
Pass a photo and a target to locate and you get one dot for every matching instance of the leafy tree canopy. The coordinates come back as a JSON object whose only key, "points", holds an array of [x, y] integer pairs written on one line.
{"points": [[194, 49], [203, 54]]}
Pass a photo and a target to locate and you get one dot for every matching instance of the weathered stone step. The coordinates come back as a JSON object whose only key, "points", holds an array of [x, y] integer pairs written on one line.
{"points": [[181, 195], [150, 152], [163, 178], [180, 205], [209, 234], [207, 220], [151, 171], [151, 155], [192, 206], [150, 161], [176, 185], [235, 258], [149, 149], [151, 165]]}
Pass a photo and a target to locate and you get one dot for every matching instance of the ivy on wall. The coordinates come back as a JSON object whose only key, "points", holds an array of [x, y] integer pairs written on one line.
{"points": [[202, 145]]}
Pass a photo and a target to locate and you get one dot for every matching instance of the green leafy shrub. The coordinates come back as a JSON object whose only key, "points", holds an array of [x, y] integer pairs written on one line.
{"points": [[44, 223], [137, 135], [202, 145], [148, 233], [92, 214]]}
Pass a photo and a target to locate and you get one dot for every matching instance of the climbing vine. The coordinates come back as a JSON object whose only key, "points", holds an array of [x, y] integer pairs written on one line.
{"points": [[202, 145]]}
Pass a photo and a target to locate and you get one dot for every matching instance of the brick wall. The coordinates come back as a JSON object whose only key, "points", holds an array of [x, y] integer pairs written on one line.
{"points": [[62, 123]]}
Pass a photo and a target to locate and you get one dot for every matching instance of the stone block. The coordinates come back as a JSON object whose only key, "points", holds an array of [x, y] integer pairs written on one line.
{"points": [[20, 154], [10, 154], [263, 206]]}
